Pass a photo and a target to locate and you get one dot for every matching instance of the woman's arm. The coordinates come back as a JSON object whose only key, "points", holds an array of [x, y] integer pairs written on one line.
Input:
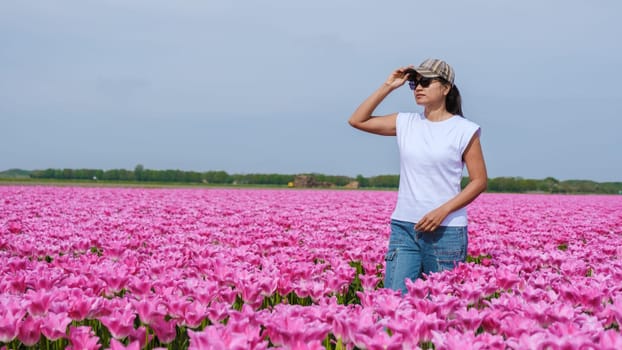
{"points": [[478, 181], [381, 125]]}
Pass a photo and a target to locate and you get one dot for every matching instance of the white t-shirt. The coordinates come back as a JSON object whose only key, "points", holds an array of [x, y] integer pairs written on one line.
{"points": [[431, 165]]}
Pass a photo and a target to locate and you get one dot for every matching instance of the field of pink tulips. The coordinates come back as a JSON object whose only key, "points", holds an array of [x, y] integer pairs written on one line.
{"points": [[121, 268]]}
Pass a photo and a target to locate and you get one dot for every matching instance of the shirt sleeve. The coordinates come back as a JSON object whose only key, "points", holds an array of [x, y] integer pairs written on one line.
{"points": [[470, 131]]}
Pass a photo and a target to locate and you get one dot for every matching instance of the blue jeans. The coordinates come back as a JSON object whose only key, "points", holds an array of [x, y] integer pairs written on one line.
{"points": [[412, 253]]}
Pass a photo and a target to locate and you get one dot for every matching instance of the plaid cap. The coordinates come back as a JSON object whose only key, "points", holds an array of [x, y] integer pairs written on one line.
{"points": [[435, 68]]}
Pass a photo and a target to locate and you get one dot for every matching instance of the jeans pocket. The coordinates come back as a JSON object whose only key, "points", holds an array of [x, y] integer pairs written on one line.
{"points": [[447, 259], [389, 268], [400, 232], [390, 256]]}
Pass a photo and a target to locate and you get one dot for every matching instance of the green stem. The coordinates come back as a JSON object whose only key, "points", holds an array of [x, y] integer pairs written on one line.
{"points": [[146, 336], [339, 345]]}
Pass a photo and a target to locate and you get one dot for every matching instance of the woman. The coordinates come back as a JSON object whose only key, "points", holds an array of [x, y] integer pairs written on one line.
{"points": [[429, 223]]}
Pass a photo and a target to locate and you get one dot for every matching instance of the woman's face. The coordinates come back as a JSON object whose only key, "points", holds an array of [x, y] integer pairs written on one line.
{"points": [[433, 94]]}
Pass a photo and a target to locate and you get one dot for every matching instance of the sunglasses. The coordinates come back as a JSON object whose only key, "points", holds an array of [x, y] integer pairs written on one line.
{"points": [[424, 82]]}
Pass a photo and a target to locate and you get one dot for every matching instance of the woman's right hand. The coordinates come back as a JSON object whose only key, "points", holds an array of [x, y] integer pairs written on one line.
{"points": [[398, 77], [382, 125]]}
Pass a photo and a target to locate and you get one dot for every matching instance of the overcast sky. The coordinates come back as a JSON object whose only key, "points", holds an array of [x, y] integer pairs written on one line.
{"points": [[268, 86]]}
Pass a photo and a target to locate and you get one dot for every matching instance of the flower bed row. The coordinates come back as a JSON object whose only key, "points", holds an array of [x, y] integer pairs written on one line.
{"points": [[91, 268]]}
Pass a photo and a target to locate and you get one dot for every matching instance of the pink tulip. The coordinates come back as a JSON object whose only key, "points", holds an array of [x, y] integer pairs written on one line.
{"points": [[83, 338], [205, 292], [148, 310], [314, 289], [199, 340], [514, 325], [267, 286], [532, 294], [505, 302], [562, 312], [244, 316], [428, 324], [45, 281], [115, 250], [115, 280], [120, 323], [570, 342], [528, 341], [362, 322], [227, 295], [470, 319], [340, 324], [491, 321], [29, 331], [453, 340], [140, 335], [117, 345], [587, 295], [335, 282], [164, 329], [54, 326], [379, 340], [471, 292], [289, 328], [15, 227], [194, 314], [506, 278], [221, 273], [39, 302], [428, 305], [175, 305], [245, 324], [540, 312], [251, 294], [369, 282], [80, 308], [216, 338], [443, 305], [314, 345], [10, 324], [439, 287], [417, 288], [139, 287], [17, 264], [367, 299], [616, 309], [18, 283], [217, 312], [489, 342], [387, 304], [610, 340]]}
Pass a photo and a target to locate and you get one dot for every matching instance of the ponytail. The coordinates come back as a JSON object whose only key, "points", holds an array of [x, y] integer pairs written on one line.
{"points": [[453, 101]]}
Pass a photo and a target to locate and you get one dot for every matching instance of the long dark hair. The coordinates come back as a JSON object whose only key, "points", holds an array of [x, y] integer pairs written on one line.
{"points": [[453, 101]]}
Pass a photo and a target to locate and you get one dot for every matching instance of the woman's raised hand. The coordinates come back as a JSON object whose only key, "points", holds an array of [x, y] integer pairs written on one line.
{"points": [[398, 77]]}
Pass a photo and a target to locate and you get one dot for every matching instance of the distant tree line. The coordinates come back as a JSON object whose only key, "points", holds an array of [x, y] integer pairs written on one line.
{"points": [[551, 185], [140, 174]]}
